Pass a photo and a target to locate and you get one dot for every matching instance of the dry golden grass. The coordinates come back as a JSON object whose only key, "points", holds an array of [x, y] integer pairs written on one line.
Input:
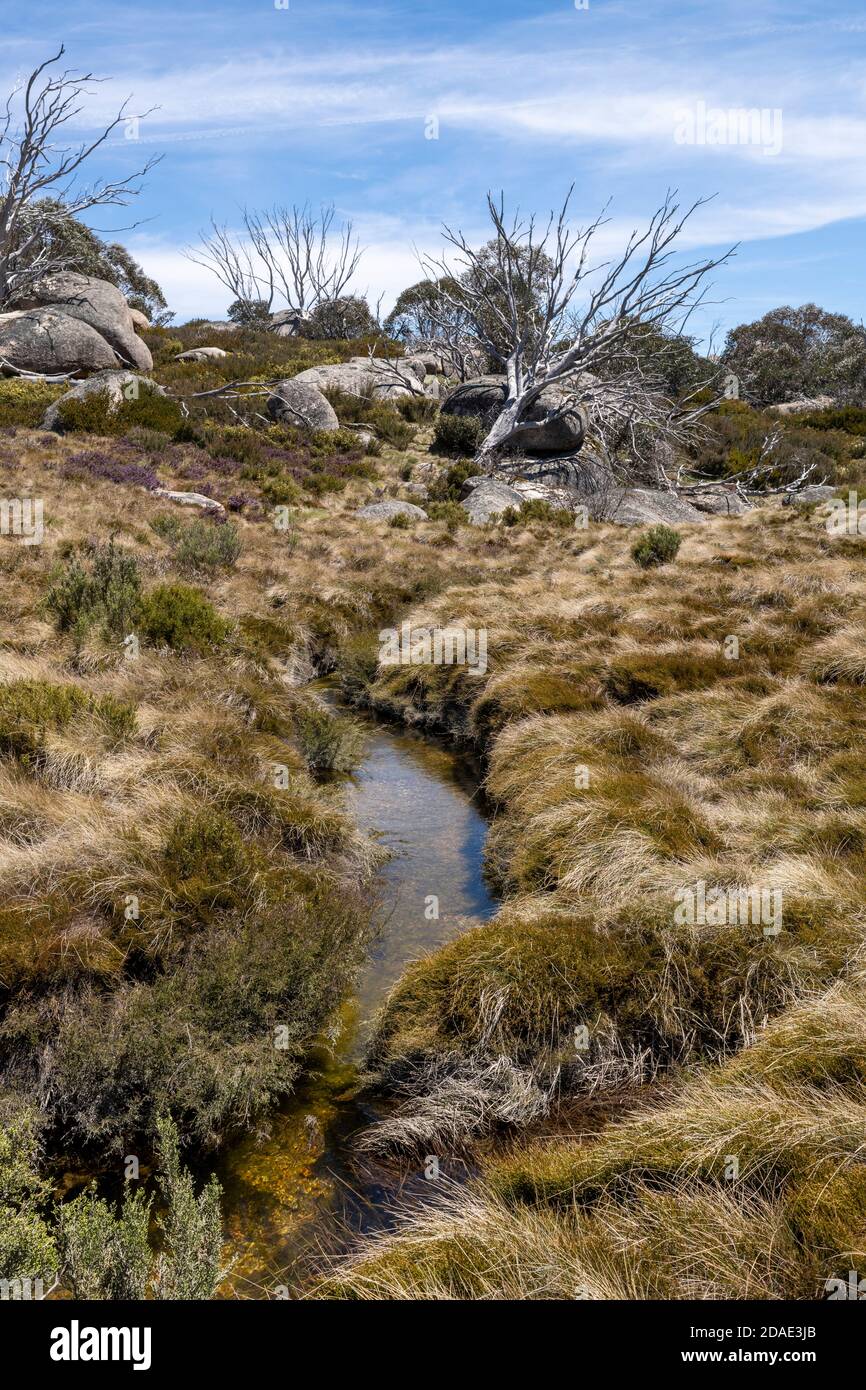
{"points": [[748, 1184], [736, 772]]}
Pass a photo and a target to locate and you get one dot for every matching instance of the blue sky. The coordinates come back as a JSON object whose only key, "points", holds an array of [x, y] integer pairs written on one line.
{"points": [[333, 101]]}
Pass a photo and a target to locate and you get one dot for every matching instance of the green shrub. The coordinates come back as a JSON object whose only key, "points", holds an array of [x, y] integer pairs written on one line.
{"points": [[24, 403], [149, 440], [458, 434], [851, 419], [107, 594], [657, 546], [107, 1253], [27, 1248], [180, 617], [281, 492], [106, 1256], [451, 513], [401, 521], [190, 1265], [206, 862], [735, 438], [537, 509], [197, 1041], [200, 545], [387, 422], [328, 742], [449, 485], [95, 413], [417, 409], [321, 483]]}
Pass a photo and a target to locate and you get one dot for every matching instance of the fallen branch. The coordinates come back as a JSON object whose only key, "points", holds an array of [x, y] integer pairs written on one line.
{"points": [[49, 378]]}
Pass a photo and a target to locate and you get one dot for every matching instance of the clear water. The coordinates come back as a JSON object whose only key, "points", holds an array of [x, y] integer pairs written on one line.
{"points": [[301, 1190]]}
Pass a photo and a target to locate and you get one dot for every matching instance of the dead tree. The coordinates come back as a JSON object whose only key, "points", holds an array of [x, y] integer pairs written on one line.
{"points": [[550, 319], [39, 173], [285, 254]]}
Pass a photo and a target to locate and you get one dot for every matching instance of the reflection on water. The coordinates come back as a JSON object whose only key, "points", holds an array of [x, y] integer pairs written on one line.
{"points": [[281, 1194]]}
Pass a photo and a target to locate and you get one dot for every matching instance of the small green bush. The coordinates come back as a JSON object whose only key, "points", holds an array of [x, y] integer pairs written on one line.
{"points": [[180, 617], [107, 1255], [449, 485], [107, 594], [417, 409], [27, 1248], [96, 414], [24, 403], [387, 422], [401, 521], [657, 546], [537, 509], [321, 483], [190, 1265], [451, 513], [149, 440], [458, 434], [328, 742], [851, 419], [200, 545], [205, 861], [281, 492]]}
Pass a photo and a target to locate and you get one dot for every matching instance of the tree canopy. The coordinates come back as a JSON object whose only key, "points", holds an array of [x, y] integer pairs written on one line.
{"points": [[791, 353]]}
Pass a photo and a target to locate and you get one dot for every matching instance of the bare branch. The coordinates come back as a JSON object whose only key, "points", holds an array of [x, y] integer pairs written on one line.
{"points": [[33, 162], [288, 254], [552, 322]]}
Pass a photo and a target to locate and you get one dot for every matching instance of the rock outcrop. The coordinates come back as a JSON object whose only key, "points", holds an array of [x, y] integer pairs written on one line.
{"points": [[287, 323], [70, 325], [300, 403], [646, 506], [52, 343], [97, 303], [200, 354], [802, 405], [809, 495], [719, 501], [487, 498], [552, 432], [188, 499], [376, 379], [383, 511]]}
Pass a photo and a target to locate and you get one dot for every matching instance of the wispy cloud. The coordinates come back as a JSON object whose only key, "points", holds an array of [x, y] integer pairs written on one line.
{"points": [[335, 101]]}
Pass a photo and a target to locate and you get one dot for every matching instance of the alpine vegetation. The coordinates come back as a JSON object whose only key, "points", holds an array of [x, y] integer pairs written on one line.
{"points": [[432, 733]]}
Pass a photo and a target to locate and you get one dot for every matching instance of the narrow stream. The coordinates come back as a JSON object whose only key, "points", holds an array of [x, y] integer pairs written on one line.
{"points": [[288, 1196]]}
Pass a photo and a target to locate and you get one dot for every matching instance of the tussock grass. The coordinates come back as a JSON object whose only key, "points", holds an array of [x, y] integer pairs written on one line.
{"points": [[632, 752], [747, 1184]]}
